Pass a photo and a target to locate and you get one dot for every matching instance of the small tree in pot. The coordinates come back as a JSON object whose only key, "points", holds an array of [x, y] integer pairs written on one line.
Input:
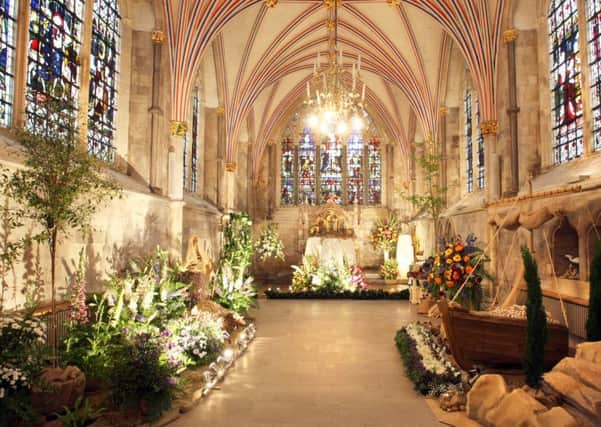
{"points": [[60, 186]]}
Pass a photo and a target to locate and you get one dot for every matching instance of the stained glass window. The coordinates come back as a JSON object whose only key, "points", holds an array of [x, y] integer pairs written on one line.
{"points": [[307, 164], [104, 64], [7, 59], [480, 140], [194, 148], [287, 196], [355, 168], [55, 29], [566, 87], [330, 165], [593, 14], [375, 172], [469, 143]]}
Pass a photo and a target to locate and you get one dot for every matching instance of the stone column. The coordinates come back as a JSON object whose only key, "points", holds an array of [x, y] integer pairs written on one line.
{"points": [[158, 38], [443, 176], [489, 132], [200, 147], [211, 141], [220, 164], [229, 187], [510, 37], [175, 189]]}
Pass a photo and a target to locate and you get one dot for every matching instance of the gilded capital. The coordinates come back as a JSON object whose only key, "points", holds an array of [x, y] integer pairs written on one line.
{"points": [[510, 35], [490, 127], [230, 167], [444, 111], [393, 2], [158, 37], [332, 3], [178, 128], [271, 3], [220, 110]]}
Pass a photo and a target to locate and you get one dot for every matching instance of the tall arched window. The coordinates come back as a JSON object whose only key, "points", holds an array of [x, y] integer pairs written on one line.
{"points": [[7, 59], [104, 66], [593, 14], [481, 155], [566, 87], [288, 167], [469, 143], [55, 31], [307, 180]]}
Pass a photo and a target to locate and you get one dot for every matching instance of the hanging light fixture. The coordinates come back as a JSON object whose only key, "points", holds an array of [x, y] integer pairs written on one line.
{"points": [[335, 108]]}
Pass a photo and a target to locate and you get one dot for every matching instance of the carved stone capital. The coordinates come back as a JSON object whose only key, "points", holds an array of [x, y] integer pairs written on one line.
{"points": [[178, 128], [444, 111], [230, 167], [271, 3], [511, 35], [220, 110], [158, 37], [490, 127]]}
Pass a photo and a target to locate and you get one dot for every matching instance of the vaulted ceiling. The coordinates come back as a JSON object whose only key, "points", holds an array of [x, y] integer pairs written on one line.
{"points": [[264, 56]]}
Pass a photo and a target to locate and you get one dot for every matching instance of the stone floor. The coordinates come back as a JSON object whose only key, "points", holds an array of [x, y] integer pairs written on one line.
{"points": [[319, 363]]}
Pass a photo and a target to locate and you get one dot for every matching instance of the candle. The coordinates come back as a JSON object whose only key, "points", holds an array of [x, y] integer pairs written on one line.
{"points": [[363, 93]]}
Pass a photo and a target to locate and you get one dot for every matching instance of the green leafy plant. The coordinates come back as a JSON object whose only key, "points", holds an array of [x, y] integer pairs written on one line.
{"points": [[238, 245], [10, 248], [536, 335], [269, 245], [390, 269], [60, 187], [431, 201], [82, 414], [234, 291], [593, 324]]}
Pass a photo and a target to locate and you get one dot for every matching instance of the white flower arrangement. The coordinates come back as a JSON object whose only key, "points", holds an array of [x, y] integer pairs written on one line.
{"points": [[434, 356], [269, 244]]}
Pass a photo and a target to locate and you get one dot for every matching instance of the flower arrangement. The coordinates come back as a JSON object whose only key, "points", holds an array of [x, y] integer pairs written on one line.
{"points": [[329, 278], [426, 359], [238, 246], [459, 263], [269, 244], [23, 344], [233, 290], [390, 269], [385, 234]]}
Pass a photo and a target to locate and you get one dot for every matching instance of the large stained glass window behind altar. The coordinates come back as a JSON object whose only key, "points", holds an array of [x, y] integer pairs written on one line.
{"points": [[566, 87], [7, 59], [355, 168], [469, 143], [593, 14], [287, 196], [375, 172], [306, 169], [55, 29], [330, 167], [104, 64]]}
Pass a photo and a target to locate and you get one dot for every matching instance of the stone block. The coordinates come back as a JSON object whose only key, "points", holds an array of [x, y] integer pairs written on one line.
{"points": [[590, 351], [582, 370], [516, 409], [582, 397], [486, 393], [557, 417]]}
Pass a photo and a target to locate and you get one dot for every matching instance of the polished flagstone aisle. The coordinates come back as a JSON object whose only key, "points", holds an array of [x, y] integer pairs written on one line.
{"points": [[319, 363]]}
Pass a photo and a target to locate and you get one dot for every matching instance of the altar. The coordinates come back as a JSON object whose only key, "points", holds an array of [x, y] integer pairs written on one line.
{"points": [[331, 237], [329, 250]]}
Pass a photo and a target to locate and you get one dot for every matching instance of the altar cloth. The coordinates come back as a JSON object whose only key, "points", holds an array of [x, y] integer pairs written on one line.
{"points": [[330, 250]]}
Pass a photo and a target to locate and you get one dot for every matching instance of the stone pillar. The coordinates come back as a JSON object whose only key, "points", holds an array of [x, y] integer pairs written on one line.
{"points": [[200, 147], [229, 187], [510, 37], [211, 141], [443, 176], [158, 38], [220, 164], [489, 132], [175, 189]]}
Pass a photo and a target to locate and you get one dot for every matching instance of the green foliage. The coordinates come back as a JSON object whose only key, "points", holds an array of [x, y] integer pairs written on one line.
{"points": [[365, 294], [82, 414], [269, 245], [593, 324], [536, 337], [238, 245], [10, 249], [234, 291]]}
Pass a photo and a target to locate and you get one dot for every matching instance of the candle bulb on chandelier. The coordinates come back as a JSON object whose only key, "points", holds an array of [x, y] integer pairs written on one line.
{"points": [[363, 93], [354, 78]]}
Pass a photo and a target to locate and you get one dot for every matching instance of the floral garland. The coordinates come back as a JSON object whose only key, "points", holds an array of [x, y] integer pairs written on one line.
{"points": [[426, 359], [385, 233], [269, 244]]}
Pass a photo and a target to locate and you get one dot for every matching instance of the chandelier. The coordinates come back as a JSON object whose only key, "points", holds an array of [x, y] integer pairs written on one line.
{"points": [[335, 107]]}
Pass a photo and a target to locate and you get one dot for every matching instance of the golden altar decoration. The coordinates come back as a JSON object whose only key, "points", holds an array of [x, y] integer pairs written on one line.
{"points": [[331, 221]]}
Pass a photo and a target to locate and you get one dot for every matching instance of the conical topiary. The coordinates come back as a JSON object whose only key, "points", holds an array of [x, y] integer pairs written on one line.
{"points": [[593, 324], [536, 333]]}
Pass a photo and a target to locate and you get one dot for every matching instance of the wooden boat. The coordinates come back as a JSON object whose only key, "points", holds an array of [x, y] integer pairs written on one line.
{"points": [[477, 339]]}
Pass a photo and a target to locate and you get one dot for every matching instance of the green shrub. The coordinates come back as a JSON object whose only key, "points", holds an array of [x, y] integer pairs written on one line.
{"points": [[536, 333], [593, 325]]}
